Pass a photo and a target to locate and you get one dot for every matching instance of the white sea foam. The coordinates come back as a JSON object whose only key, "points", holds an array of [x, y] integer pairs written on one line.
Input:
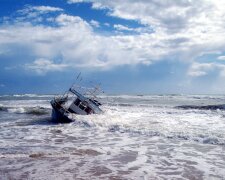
{"points": [[136, 137], [32, 95]]}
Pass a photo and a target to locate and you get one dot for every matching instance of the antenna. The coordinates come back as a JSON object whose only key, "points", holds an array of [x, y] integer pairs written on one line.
{"points": [[78, 75], [89, 91], [79, 78]]}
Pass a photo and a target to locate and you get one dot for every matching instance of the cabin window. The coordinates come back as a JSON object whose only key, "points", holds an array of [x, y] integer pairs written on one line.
{"points": [[70, 110], [77, 102], [88, 110], [82, 106]]}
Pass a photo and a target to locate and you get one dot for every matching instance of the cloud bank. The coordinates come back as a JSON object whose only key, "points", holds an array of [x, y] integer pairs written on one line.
{"points": [[169, 30]]}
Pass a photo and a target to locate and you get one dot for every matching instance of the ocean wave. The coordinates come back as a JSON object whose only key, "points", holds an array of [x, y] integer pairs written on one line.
{"points": [[206, 107], [2, 108], [204, 139], [207, 138], [26, 96], [37, 110], [138, 105], [121, 104], [33, 95]]}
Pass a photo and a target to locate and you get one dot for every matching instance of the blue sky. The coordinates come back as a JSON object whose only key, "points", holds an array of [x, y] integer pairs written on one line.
{"points": [[130, 47]]}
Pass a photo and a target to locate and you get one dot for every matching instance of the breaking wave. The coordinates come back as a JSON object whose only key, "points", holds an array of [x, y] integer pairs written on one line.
{"points": [[120, 104], [205, 139], [25, 97], [37, 110], [208, 138], [206, 107], [28, 95], [2, 108]]}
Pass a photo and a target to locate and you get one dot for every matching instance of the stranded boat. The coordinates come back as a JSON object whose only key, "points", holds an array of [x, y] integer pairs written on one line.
{"points": [[78, 100]]}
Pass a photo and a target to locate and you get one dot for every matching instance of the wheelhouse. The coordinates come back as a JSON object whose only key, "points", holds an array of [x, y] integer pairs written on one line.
{"points": [[79, 104]]}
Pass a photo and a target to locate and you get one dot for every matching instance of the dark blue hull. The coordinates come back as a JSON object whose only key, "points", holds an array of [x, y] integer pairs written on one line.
{"points": [[58, 116]]}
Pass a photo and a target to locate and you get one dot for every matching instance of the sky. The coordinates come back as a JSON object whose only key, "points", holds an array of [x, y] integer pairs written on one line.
{"points": [[129, 46]]}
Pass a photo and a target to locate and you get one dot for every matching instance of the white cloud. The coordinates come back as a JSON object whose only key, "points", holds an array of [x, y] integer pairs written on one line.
{"points": [[41, 66], [40, 9], [95, 23], [221, 58], [170, 30], [74, 1], [46, 8], [107, 24], [121, 27], [198, 69], [200, 23], [152, 12], [140, 30], [77, 44], [202, 69], [67, 20], [35, 13]]}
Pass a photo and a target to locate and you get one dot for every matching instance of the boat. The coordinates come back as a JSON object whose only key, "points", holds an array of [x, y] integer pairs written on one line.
{"points": [[78, 100]]}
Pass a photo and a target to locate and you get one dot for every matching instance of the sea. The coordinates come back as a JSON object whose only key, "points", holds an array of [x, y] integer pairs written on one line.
{"points": [[136, 137]]}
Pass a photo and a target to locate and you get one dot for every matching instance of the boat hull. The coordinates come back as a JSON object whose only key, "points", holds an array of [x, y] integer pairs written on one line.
{"points": [[58, 116]]}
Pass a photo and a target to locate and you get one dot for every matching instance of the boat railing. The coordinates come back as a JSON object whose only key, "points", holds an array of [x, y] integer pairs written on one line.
{"points": [[60, 105], [88, 91]]}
